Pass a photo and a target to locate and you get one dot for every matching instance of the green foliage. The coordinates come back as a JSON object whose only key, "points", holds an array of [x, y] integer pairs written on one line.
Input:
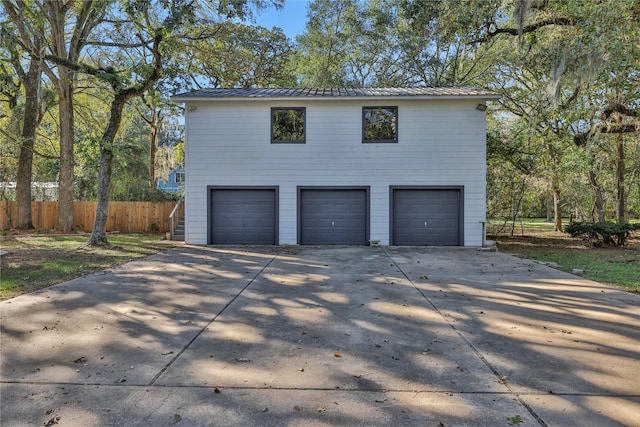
{"points": [[515, 420], [287, 124], [556, 80], [322, 50], [236, 55], [557, 64], [602, 233]]}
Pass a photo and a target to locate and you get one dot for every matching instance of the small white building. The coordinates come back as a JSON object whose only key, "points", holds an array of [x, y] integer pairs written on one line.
{"points": [[40, 191], [395, 166]]}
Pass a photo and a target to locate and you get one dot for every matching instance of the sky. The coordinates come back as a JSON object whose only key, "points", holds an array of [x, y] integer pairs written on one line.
{"points": [[292, 18]]}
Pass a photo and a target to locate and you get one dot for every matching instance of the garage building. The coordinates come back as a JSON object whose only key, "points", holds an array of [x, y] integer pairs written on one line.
{"points": [[394, 166]]}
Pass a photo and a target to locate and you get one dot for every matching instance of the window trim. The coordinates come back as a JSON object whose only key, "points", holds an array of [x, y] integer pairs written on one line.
{"points": [[304, 126], [380, 141]]}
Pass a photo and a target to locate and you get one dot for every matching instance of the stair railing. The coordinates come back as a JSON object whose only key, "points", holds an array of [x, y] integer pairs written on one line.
{"points": [[177, 214]]}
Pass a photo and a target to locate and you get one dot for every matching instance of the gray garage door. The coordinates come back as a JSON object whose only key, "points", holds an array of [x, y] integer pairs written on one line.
{"points": [[243, 216], [426, 217], [333, 217]]}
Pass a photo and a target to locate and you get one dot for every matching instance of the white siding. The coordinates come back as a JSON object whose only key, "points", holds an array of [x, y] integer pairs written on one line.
{"points": [[440, 143]]}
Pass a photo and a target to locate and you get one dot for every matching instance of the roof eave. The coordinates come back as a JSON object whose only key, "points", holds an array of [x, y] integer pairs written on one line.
{"points": [[185, 99]]}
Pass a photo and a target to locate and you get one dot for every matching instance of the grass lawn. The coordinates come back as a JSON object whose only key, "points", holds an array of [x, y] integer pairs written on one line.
{"points": [[536, 240], [36, 261]]}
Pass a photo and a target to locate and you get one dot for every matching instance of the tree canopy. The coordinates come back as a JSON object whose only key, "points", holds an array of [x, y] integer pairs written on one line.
{"points": [[85, 88]]}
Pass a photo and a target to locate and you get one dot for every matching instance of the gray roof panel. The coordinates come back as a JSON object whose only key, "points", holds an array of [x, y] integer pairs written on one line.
{"points": [[369, 92]]}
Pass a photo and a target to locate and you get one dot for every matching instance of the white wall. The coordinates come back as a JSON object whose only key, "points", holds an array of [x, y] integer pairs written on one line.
{"points": [[441, 142]]}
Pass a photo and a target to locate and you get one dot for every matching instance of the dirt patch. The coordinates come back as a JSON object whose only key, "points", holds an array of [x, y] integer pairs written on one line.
{"points": [[545, 238]]}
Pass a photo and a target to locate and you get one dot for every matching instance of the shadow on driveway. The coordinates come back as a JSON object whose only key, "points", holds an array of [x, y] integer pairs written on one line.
{"points": [[322, 336]]}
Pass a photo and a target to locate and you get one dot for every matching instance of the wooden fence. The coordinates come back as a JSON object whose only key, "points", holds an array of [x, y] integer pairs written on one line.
{"points": [[126, 217]]}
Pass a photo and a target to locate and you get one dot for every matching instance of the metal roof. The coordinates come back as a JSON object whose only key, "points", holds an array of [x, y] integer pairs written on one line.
{"points": [[328, 93]]}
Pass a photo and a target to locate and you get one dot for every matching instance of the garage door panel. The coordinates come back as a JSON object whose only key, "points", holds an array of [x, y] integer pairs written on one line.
{"points": [[243, 216], [333, 217], [426, 217]]}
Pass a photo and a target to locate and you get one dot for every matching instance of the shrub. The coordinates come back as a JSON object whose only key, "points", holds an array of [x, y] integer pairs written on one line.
{"points": [[602, 233]]}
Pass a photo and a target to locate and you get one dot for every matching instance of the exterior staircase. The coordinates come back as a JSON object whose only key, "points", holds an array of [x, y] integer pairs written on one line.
{"points": [[178, 233], [176, 221]]}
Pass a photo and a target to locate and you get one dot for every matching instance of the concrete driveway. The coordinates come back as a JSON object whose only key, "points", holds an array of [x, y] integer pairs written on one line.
{"points": [[294, 336]]}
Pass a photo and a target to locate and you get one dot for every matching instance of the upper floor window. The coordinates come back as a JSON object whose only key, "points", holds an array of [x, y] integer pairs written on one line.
{"points": [[287, 125], [380, 124]]}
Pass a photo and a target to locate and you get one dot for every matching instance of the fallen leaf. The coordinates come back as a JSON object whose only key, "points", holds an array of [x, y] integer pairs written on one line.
{"points": [[357, 376], [52, 421], [300, 369], [381, 400], [216, 390], [337, 354], [296, 408], [321, 409], [80, 359], [242, 360], [176, 419], [168, 352]]}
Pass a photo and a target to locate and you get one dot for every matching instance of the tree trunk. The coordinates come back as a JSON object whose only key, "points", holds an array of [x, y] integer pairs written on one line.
{"points": [[517, 204], [25, 162], [99, 232], [620, 169], [597, 191], [153, 143], [65, 178], [557, 206], [549, 203]]}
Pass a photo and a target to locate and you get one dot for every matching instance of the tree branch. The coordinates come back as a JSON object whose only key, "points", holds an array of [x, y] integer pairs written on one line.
{"points": [[558, 20], [620, 109], [581, 139], [572, 98], [119, 45], [139, 89], [624, 128], [106, 74]]}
